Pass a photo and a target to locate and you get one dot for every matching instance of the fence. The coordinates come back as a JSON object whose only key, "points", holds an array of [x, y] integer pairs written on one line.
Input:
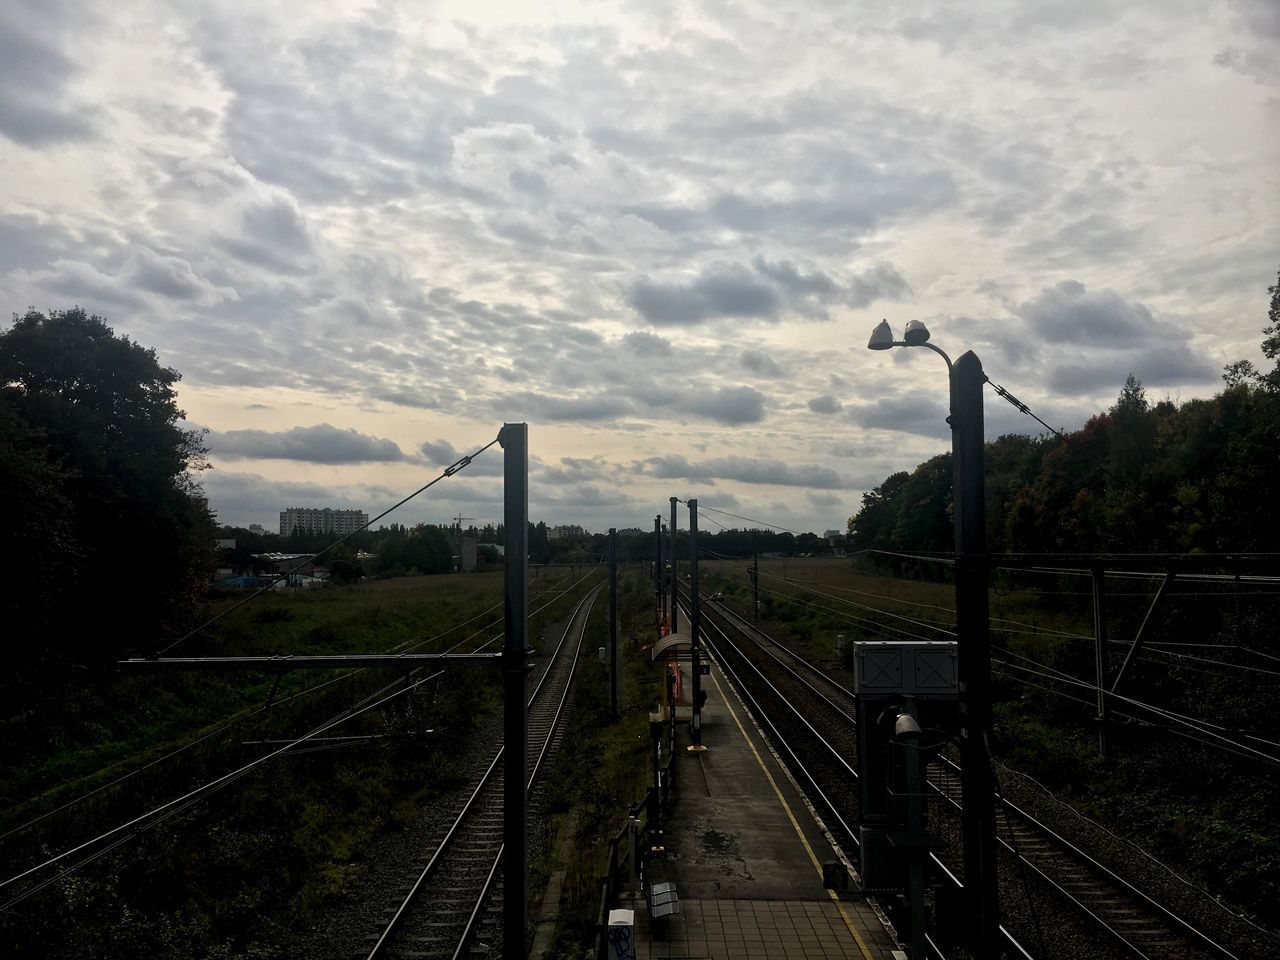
{"points": [[628, 846]]}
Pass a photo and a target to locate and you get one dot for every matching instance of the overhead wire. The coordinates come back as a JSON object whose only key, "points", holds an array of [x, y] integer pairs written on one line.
{"points": [[925, 624], [1193, 723], [161, 813], [235, 720], [448, 471], [763, 523], [152, 817]]}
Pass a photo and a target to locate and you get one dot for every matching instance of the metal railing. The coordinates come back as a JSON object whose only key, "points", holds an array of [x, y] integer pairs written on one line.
{"points": [[629, 846]]}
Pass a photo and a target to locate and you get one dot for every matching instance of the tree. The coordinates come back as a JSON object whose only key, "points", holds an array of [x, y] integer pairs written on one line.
{"points": [[1271, 339], [133, 535], [1234, 374]]}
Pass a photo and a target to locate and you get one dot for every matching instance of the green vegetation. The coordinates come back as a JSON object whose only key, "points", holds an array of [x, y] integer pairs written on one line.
{"points": [[603, 766], [1206, 812], [96, 474], [242, 872], [1200, 477]]}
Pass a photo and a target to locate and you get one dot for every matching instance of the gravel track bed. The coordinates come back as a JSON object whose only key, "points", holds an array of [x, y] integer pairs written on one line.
{"points": [[1046, 923], [394, 859], [1244, 939]]}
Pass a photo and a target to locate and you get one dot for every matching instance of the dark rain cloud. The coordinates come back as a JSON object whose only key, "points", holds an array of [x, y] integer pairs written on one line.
{"points": [[322, 443], [825, 404]]}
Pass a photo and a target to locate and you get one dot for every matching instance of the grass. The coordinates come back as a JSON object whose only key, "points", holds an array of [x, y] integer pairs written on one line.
{"points": [[1220, 825], [602, 768], [240, 870]]}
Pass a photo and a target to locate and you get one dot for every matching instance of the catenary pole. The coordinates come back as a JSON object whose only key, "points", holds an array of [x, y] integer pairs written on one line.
{"points": [[675, 566], [755, 585], [613, 621], [658, 575], [515, 859], [695, 626], [974, 658], [1099, 652]]}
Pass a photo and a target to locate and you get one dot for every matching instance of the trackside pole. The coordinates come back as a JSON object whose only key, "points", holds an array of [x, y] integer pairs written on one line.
{"points": [[695, 624], [675, 566], [755, 585], [658, 574], [613, 621], [973, 662], [515, 517]]}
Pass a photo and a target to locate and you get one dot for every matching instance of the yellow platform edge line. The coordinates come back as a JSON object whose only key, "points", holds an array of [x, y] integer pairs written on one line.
{"points": [[813, 858]]}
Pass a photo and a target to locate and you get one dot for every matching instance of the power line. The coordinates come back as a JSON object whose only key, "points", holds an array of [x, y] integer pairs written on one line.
{"points": [[235, 720], [139, 823], [1023, 407], [763, 523], [448, 471], [1193, 723], [926, 624]]}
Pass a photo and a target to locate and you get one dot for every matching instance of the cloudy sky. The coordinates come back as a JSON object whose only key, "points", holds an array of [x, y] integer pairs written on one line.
{"points": [[660, 232]]}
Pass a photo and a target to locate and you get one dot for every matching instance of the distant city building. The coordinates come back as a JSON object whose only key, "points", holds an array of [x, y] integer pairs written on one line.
{"points": [[257, 528], [831, 534], [565, 531], [321, 520], [632, 532]]}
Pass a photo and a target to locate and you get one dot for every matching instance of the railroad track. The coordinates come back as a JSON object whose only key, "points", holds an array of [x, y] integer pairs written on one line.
{"points": [[444, 908], [810, 718]]}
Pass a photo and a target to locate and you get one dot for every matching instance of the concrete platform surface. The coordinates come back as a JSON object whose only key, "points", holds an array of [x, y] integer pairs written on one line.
{"points": [[746, 855]]}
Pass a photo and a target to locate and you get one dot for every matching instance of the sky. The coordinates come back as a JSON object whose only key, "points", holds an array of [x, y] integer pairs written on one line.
{"points": [[367, 234]]}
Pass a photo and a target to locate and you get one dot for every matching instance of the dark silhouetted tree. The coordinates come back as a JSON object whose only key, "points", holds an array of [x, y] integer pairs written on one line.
{"points": [[98, 415]]}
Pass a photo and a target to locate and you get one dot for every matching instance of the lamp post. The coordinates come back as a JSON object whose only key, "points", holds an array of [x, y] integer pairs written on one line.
{"points": [[972, 634]]}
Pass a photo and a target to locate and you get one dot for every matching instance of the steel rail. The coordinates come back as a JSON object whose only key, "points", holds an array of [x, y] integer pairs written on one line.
{"points": [[474, 919], [1180, 925], [486, 780], [800, 766]]}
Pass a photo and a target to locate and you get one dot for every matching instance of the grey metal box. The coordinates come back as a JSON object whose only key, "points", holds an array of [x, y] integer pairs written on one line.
{"points": [[918, 668], [663, 900]]}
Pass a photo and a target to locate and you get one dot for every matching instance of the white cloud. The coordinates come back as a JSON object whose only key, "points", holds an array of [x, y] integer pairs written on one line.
{"points": [[413, 225]]}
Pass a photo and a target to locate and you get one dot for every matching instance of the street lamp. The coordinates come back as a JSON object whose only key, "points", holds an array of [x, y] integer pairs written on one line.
{"points": [[973, 664]]}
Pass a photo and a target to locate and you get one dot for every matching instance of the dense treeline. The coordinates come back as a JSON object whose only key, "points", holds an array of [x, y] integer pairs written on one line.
{"points": [[107, 537], [1196, 477], [1202, 476]]}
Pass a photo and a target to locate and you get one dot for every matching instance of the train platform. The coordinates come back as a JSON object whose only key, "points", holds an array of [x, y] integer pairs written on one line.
{"points": [[745, 854]]}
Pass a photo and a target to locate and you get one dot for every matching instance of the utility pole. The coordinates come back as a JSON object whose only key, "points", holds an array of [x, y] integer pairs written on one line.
{"points": [[974, 658], [1100, 652], [675, 565], [695, 625], [755, 584], [515, 855], [657, 570], [613, 621]]}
